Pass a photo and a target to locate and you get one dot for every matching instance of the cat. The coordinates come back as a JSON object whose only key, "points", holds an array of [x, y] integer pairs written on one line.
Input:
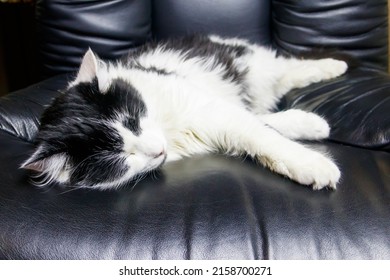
{"points": [[116, 121]]}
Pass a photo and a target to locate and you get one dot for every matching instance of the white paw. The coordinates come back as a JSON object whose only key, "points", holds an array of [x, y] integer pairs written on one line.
{"points": [[308, 168], [331, 68], [298, 124], [313, 127], [311, 71]]}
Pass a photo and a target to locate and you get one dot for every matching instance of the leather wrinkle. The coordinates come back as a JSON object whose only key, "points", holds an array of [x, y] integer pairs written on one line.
{"points": [[257, 227], [363, 34]]}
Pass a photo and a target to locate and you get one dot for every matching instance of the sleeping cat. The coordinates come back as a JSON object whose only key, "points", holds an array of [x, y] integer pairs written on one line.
{"points": [[174, 99]]}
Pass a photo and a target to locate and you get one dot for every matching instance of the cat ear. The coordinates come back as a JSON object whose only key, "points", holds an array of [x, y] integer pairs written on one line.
{"points": [[88, 68], [92, 67], [43, 159]]}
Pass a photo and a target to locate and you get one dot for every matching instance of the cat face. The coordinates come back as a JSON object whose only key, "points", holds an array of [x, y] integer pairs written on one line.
{"points": [[97, 134]]}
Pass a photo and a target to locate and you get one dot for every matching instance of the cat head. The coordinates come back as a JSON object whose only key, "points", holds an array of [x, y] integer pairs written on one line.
{"points": [[98, 133]]}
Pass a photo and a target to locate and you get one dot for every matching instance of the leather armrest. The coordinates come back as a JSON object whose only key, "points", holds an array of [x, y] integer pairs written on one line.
{"points": [[20, 111]]}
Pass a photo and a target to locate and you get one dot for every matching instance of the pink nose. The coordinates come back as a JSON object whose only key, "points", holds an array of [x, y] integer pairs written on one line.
{"points": [[157, 155]]}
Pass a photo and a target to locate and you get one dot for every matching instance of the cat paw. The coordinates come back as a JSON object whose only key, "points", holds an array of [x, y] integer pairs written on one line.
{"points": [[313, 127], [331, 68], [318, 172], [321, 70], [311, 169], [311, 71], [299, 125]]}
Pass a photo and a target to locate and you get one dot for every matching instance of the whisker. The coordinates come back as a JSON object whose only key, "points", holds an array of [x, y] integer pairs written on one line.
{"points": [[70, 189], [138, 178]]}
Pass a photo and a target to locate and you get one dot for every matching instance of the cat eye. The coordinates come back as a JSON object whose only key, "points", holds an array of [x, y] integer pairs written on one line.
{"points": [[132, 124]]}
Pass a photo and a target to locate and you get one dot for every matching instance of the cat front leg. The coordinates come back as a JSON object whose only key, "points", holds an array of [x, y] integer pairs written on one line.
{"points": [[303, 165], [291, 159], [238, 133]]}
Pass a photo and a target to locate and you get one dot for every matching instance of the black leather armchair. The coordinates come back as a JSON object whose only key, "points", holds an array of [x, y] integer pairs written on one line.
{"points": [[210, 207]]}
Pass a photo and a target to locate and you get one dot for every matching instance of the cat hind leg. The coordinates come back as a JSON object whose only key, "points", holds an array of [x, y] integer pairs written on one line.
{"points": [[301, 73]]}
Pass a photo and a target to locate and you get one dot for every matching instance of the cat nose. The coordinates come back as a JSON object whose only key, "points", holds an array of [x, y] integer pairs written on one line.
{"points": [[161, 153], [152, 144], [154, 150]]}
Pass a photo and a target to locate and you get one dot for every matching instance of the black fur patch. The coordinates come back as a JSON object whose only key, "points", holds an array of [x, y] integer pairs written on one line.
{"points": [[202, 47], [77, 124], [152, 69]]}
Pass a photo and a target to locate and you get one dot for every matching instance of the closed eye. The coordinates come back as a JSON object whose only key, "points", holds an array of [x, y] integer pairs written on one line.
{"points": [[132, 124]]}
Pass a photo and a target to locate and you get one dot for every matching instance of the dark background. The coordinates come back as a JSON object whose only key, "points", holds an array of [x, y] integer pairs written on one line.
{"points": [[18, 55]]}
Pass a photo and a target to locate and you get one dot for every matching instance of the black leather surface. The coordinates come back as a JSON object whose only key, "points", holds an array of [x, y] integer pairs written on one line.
{"points": [[249, 19], [21, 110], [67, 28], [208, 207], [357, 27]]}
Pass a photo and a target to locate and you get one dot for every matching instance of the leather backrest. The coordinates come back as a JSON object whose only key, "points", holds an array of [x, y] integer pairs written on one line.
{"points": [[249, 19], [67, 28], [356, 27]]}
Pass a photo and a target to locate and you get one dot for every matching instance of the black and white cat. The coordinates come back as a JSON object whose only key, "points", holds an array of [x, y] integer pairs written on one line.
{"points": [[174, 99]]}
